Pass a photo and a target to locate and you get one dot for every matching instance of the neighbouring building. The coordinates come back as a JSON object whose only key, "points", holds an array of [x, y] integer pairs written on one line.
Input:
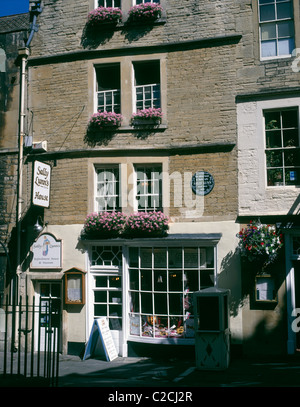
{"points": [[224, 74]]}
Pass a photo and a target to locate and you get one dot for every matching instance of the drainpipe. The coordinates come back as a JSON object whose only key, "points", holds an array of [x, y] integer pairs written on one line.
{"points": [[23, 54], [35, 10]]}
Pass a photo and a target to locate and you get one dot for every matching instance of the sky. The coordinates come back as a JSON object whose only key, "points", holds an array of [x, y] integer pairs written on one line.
{"points": [[9, 7]]}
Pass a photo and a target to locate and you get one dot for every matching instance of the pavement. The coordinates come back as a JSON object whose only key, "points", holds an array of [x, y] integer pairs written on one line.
{"points": [[158, 378], [177, 372]]}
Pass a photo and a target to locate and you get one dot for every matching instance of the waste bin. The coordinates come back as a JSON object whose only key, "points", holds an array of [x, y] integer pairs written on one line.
{"points": [[212, 330]]}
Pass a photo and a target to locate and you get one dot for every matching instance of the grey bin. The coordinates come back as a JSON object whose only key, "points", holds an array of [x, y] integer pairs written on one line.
{"points": [[212, 330]]}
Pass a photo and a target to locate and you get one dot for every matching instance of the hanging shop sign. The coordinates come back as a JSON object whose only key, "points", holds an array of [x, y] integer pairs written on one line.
{"points": [[46, 252], [41, 184], [202, 183]]}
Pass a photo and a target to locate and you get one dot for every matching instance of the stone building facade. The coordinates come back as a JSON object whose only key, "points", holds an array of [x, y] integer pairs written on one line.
{"points": [[200, 62]]}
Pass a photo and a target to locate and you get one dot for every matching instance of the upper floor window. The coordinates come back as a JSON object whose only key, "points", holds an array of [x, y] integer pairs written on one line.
{"points": [[276, 28], [107, 189], [108, 88], [146, 1], [148, 188], [109, 3], [147, 84], [282, 147]]}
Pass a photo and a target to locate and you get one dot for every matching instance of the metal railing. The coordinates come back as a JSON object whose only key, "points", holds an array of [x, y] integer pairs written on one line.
{"points": [[32, 339]]}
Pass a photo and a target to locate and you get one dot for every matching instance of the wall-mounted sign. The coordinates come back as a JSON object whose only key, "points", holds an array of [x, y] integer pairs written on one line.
{"points": [[46, 251], [202, 183], [41, 184]]}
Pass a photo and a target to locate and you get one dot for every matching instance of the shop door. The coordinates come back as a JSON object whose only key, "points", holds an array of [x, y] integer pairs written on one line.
{"points": [[49, 317], [297, 294]]}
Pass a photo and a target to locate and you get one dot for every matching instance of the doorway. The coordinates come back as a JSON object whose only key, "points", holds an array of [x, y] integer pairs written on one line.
{"points": [[49, 317], [297, 296]]}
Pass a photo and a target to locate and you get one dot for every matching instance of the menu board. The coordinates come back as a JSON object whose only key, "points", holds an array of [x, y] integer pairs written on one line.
{"points": [[101, 341]]}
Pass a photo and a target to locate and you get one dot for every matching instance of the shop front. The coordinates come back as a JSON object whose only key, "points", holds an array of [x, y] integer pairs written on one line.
{"points": [[145, 288]]}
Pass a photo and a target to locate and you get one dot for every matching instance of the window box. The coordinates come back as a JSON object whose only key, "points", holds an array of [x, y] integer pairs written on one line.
{"points": [[146, 224], [147, 117], [145, 13], [105, 121], [104, 17]]}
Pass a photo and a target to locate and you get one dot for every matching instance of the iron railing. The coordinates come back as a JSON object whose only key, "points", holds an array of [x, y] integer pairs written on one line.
{"points": [[32, 339]]}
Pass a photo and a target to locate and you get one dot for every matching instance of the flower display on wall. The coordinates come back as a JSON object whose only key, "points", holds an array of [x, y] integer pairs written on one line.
{"points": [[145, 12], [103, 225], [101, 120], [146, 224], [116, 224], [153, 114], [104, 15], [259, 242]]}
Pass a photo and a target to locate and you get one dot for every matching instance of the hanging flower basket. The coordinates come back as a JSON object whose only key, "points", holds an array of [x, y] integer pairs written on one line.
{"points": [[260, 243], [145, 12], [104, 16], [103, 225], [146, 224], [105, 120], [151, 116]]}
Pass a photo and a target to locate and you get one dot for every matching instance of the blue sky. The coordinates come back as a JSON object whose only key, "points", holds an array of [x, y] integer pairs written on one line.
{"points": [[9, 7]]}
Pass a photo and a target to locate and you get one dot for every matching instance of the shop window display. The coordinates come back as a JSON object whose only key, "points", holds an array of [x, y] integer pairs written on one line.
{"points": [[161, 284]]}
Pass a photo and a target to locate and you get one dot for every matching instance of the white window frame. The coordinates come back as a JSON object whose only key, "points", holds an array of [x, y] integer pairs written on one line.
{"points": [[106, 3], [146, 1], [282, 149], [115, 107], [142, 167], [275, 22], [116, 194], [154, 101]]}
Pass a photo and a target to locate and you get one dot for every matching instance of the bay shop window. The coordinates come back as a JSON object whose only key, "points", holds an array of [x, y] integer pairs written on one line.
{"points": [[147, 290]]}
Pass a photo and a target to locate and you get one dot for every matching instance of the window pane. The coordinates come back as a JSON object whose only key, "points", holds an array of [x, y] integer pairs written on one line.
{"points": [[285, 29], [146, 303], [268, 32], [133, 256], [146, 280], [272, 120], [175, 257], [284, 10], [267, 12], [191, 280], [207, 278], [101, 282], [146, 256], [292, 177], [160, 257], [290, 138], [291, 158], [115, 282], [268, 49], [100, 310], [191, 257], [273, 139], [274, 158], [160, 280], [285, 47], [175, 281], [289, 119], [100, 296], [160, 304], [175, 304], [275, 177]]}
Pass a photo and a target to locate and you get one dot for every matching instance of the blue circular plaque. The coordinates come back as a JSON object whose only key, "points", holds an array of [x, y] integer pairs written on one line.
{"points": [[202, 183]]}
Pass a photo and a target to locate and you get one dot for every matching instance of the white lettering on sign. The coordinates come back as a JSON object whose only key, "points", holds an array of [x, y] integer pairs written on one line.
{"points": [[41, 184]]}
